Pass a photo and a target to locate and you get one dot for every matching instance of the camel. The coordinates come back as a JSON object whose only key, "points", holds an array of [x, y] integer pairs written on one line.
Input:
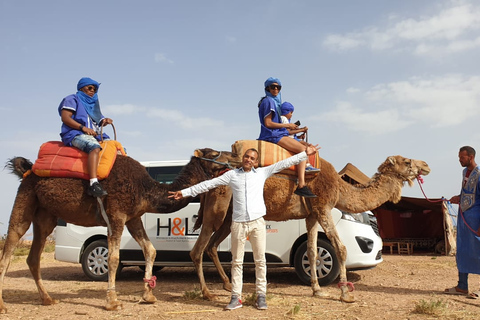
{"points": [[282, 204], [131, 193]]}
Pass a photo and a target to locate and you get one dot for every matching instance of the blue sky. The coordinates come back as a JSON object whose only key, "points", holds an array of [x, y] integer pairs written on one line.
{"points": [[369, 78]]}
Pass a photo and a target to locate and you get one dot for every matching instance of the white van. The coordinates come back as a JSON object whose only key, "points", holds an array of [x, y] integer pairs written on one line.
{"points": [[173, 236]]}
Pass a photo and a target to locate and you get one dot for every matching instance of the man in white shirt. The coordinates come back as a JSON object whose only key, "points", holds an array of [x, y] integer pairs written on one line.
{"points": [[247, 222]]}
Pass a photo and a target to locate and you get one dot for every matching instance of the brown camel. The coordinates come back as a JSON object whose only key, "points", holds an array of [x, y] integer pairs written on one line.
{"points": [[282, 204], [131, 193]]}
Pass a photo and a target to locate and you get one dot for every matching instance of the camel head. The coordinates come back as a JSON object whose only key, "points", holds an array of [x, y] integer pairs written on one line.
{"points": [[215, 162], [404, 168]]}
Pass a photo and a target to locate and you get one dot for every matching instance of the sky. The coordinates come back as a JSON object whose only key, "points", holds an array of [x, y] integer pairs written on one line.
{"points": [[369, 78]]}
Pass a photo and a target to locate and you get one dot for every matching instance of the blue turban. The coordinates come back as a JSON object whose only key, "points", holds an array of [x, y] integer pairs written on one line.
{"points": [[286, 108], [271, 80], [87, 81]]}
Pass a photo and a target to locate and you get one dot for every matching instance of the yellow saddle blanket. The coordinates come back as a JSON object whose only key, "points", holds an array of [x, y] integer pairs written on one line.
{"points": [[57, 160], [270, 153]]}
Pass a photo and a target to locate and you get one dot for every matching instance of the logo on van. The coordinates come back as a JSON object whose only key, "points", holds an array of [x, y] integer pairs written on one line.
{"points": [[176, 227]]}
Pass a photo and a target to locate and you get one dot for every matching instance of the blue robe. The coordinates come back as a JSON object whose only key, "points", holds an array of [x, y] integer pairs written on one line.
{"points": [[468, 243]]}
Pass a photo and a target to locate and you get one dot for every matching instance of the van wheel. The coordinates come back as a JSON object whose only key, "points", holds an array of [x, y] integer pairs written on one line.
{"points": [[327, 266], [95, 261]]}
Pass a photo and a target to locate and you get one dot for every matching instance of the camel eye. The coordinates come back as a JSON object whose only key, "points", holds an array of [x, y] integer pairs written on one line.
{"points": [[214, 155]]}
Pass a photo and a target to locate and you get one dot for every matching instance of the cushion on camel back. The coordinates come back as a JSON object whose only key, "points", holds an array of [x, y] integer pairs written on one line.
{"points": [[270, 153], [57, 160]]}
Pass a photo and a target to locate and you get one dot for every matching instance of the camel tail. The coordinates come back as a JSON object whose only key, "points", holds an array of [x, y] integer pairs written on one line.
{"points": [[19, 165]]}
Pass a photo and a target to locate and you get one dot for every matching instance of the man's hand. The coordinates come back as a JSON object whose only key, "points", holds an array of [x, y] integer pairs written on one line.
{"points": [[312, 149], [455, 200], [175, 195], [106, 121]]}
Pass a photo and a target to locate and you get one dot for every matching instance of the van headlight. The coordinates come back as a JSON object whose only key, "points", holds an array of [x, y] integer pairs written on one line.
{"points": [[363, 217]]}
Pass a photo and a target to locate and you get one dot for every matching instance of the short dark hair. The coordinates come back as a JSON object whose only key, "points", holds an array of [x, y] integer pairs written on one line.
{"points": [[252, 149], [470, 151]]}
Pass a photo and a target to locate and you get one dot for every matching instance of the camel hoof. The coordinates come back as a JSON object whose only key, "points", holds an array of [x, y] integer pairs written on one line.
{"points": [[227, 287], [347, 297], [114, 306], [150, 299], [210, 297], [320, 294], [49, 302]]}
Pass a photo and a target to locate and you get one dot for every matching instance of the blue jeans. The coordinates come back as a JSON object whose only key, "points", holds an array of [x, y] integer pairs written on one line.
{"points": [[462, 281], [86, 143]]}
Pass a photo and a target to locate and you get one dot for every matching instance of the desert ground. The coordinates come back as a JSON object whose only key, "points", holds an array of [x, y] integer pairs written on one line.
{"points": [[402, 287]]}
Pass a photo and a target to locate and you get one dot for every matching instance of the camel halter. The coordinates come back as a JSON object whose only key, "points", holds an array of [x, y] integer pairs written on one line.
{"points": [[214, 160]]}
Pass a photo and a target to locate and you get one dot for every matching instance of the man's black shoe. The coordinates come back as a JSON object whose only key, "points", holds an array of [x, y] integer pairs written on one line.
{"points": [[96, 190], [305, 192]]}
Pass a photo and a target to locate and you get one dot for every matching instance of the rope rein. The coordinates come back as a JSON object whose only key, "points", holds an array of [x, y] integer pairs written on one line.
{"points": [[214, 160], [420, 182]]}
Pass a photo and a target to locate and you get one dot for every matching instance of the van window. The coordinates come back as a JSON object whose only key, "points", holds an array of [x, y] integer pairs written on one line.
{"points": [[164, 174], [167, 175]]}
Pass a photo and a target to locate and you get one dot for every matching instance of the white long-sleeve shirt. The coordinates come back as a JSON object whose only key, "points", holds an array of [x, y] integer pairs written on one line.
{"points": [[247, 187]]}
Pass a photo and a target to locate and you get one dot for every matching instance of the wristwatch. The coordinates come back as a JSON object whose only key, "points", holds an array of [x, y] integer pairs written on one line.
{"points": [[81, 127]]}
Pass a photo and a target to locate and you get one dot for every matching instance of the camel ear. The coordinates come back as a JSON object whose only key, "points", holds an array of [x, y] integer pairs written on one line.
{"points": [[198, 153], [392, 160]]}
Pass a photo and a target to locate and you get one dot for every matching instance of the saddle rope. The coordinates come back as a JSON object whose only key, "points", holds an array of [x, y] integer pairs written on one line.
{"points": [[104, 215]]}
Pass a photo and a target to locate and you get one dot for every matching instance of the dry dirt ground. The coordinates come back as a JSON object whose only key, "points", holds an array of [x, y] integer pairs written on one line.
{"points": [[393, 290]]}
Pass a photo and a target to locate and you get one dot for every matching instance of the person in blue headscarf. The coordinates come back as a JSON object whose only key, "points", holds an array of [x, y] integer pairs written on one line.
{"points": [[273, 130], [81, 126]]}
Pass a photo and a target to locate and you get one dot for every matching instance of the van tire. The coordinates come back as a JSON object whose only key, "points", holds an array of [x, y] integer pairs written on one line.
{"points": [[327, 267], [95, 261]]}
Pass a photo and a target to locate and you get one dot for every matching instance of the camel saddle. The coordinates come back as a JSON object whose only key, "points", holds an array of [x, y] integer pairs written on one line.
{"points": [[270, 153], [57, 160]]}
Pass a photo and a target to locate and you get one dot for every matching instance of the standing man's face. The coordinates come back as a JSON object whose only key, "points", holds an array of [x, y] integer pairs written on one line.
{"points": [[465, 159], [249, 160]]}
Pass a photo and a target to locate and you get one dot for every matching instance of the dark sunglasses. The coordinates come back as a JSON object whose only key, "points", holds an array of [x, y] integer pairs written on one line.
{"points": [[275, 86], [91, 88]]}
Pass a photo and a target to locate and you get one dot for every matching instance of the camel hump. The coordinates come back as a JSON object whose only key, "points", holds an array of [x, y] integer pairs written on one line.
{"points": [[19, 166], [268, 152]]}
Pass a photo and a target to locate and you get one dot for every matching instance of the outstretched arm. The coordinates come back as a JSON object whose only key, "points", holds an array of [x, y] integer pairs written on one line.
{"points": [[175, 195]]}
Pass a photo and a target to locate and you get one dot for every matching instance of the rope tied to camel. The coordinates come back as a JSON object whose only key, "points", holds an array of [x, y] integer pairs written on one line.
{"points": [[420, 182], [350, 285], [152, 282]]}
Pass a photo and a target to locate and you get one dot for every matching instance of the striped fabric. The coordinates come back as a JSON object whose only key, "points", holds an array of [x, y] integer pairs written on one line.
{"points": [[270, 153], [57, 160]]}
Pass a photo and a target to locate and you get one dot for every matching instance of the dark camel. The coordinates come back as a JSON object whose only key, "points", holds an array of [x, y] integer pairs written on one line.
{"points": [[131, 193], [282, 204]]}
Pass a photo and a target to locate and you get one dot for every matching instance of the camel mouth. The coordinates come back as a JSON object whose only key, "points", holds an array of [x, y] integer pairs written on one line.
{"points": [[424, 172]]}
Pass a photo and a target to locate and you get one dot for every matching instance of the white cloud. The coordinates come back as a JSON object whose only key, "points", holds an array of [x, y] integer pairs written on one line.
{"points": [[352, 90], [122, 109], [433, 102], [448, 31], [161, 57], [356, 119], [182, 120], [230, 39]]}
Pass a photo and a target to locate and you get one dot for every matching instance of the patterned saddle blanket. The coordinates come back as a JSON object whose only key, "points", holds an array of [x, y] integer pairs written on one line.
{"points": [[57, 160], [270, 153]]}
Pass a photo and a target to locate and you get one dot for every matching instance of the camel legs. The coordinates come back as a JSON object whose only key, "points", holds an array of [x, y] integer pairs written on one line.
{"points": [[42, 228], [20, 219], [206, 240], [213, 244], [117, 225], [326, 221], [136, 229], [312, 252]]}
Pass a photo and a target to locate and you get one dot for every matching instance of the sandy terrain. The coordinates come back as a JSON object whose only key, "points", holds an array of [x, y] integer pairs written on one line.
{"points": [[392, 290]]}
